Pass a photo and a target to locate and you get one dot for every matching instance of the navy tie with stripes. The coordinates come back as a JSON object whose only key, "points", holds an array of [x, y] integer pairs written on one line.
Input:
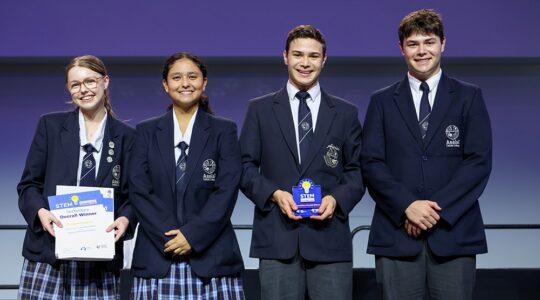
{"points": [[305, 125], [425, 109], [88, 167], [180, 180]]}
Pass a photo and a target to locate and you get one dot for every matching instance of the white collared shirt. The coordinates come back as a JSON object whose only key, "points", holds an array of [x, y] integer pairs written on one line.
{"points": [[313, 102], [97, 142], [179, 137], [416, 92]]}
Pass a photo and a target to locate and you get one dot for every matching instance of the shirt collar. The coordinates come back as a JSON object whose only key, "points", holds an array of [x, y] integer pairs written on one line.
{"points": [[432, 82], [314, 91], [187, 135], [97, 143]]}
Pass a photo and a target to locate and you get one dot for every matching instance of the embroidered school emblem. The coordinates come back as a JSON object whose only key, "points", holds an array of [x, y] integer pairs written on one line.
{"points": [[331, 158], [116, 172], [116, 175], [452, 135], [209, 168]]}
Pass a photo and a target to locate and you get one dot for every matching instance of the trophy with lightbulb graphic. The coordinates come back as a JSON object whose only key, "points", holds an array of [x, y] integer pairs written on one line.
{"points": [[307, 197]]}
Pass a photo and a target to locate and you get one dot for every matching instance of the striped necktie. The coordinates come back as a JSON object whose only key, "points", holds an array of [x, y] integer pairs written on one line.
{"points": [[180, 180], [425, 109], [305, 125], [88, 167]]}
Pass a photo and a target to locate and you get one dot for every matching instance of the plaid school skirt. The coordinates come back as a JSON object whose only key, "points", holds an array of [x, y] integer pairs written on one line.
{"points": [[182, 283], [70, 280]]}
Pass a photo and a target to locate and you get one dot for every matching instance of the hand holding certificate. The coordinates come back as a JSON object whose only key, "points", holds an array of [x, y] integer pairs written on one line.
{"points": [[85, 213]]}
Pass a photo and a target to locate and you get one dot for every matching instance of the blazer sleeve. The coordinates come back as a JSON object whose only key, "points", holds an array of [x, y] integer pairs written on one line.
{"points": [[30, 188], [350, 189], [254, 185], [126, 209], [390, 195], [470, 178], [155, 218], [216, 213]]}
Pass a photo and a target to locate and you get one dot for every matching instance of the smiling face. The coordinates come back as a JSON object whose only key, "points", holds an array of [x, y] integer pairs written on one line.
{"points": [[304, 60], [87, 88], [422, 52], [184, 83]]}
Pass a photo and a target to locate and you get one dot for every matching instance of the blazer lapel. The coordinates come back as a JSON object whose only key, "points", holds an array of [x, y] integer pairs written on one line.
{"points": [[324, 121], [165, 141], [441, 106], [110, 135], [283, 115], [199, 137], [71, 144], [404, 102]]}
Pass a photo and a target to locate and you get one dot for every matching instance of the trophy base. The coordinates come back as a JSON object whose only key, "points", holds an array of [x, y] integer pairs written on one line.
{"points": [[306, 213]]}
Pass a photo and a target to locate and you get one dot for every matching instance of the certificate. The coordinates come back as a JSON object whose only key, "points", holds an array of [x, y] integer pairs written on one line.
{"points": [[85, 213]]}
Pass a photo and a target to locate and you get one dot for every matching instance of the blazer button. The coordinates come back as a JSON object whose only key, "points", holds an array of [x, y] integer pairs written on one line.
{"points": [[424, 157]]}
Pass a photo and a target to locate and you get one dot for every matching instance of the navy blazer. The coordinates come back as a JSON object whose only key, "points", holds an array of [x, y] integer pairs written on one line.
{"points": [[270, 162], [52, 160], [451, 167], [207, 204]]}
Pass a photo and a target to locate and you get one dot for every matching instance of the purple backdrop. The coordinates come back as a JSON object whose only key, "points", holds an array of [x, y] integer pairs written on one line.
{"points": [[480, 28]]}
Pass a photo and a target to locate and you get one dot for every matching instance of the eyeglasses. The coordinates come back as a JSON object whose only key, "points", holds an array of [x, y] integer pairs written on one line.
{"points": [[89, 83]]}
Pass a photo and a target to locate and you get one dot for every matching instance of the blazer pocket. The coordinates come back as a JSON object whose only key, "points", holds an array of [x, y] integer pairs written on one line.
{"points": [[141, 255], [382, 231], [338, 235], [265, 228], [34, 242], [226, 250], [470, 229], [205, 185]]}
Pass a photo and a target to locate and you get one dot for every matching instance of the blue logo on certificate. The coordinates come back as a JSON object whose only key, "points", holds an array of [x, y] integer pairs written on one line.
{"points": [[307, 197]]}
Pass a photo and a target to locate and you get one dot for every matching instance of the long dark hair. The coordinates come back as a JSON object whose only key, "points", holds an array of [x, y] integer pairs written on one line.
{"points": [[95, 64], [204, 101]]}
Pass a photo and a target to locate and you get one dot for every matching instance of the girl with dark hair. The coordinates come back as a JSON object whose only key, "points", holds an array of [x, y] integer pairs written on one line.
{"points": [[185, 177], [84, 147]]}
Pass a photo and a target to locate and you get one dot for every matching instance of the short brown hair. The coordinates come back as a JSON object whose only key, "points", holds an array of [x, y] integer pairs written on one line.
{"points": [[305, 32], [424, 21]]}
